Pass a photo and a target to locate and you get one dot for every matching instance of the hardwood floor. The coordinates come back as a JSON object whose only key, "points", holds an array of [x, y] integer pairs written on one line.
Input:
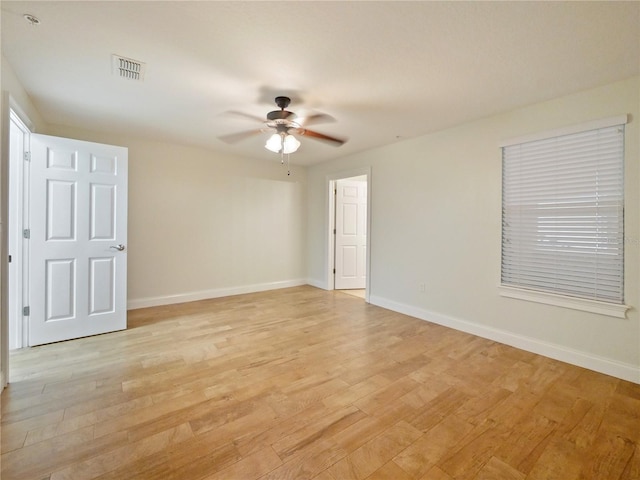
{"points": [[360, 293], [307, 384]]}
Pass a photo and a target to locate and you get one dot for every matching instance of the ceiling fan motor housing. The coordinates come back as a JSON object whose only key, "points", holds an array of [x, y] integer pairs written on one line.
{"points": [[283, 102], [282, 114]]}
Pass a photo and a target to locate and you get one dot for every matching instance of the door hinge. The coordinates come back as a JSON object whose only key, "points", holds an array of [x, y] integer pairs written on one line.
{"points": [[26, 311], [334, 271], [27, 156], [334, 231], [9, 258], [26, 233]]}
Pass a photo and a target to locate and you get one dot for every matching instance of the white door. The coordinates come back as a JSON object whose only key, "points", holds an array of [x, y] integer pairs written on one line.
{"points": [[77, 238], [351, 234]]}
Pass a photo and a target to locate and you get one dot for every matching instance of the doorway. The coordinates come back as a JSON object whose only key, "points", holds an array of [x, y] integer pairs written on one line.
{"points": [[349, 216]]}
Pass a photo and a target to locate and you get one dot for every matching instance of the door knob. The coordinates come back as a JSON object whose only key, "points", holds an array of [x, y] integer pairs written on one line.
{"points": [[119, 247]]}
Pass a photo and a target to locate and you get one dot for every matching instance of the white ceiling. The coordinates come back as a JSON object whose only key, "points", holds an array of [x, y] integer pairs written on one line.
{"points": [[384, 70]]}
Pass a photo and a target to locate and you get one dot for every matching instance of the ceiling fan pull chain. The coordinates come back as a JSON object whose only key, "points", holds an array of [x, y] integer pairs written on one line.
{"points": [[288, 164]]}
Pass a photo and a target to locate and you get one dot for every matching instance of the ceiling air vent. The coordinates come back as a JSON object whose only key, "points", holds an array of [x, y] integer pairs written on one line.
{"points": [[128, 68]]}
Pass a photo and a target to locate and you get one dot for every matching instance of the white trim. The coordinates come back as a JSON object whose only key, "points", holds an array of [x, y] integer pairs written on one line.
{"points": [[604, 365], [22, 116], [18, 218], [7, 104], [135, 303], [314, 282], [568, 130], [574, 303]]}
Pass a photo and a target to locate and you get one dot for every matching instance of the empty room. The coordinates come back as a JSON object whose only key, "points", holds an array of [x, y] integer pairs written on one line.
{"points": [[322, 240]]}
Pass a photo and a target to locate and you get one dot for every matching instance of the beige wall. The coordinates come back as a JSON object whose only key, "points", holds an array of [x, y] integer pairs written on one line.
{"points": [[436, 216]]}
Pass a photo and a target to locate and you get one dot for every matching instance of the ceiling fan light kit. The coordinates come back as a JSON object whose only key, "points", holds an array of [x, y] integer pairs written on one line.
{"points": [[282, 143], [290, 144], [274, 143]]}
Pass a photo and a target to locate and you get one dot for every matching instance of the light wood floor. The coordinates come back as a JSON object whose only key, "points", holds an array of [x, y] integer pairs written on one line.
{"points": [[307, 384], [360, 293]]}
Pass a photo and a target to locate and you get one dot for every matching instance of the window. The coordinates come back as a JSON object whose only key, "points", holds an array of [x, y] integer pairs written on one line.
{"points": [[563, 213]]}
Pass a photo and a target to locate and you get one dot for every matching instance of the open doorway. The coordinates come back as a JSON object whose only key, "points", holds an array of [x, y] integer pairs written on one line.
{"points": [[349, 221]]}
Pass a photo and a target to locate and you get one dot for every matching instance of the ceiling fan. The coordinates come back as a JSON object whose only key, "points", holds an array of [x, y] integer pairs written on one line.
{"points": [[284, 124]]}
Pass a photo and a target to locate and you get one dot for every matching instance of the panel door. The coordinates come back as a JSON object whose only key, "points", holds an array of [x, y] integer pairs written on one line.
{"points": [[78, 233], [351, 234]]}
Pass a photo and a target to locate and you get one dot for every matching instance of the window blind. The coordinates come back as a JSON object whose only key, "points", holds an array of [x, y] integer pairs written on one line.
{"points": [[562, 214]]}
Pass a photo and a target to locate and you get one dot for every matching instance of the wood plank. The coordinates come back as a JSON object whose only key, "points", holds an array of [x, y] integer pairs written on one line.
{"points": [[496, 468], [559, 461], [250, 467], [527, 440], [389, 471], [374, 454], [608, 457], [425, 453], [474, 450]]}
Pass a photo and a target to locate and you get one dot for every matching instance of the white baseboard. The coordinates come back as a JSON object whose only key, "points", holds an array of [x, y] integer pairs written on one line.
{"points": [[317, 283], [558, 352], [135, 303]]}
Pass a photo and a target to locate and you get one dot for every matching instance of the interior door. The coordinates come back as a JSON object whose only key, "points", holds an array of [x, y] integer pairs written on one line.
{"points": [[77, 237], [351, 234]]}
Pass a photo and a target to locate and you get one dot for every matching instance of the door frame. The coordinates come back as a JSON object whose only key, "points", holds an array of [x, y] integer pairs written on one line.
{"points": [[17, 218], [331, 182], [8, 105]]}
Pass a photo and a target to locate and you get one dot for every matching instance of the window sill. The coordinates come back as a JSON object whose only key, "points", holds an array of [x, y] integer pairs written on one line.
{"points": [[593, 306]]}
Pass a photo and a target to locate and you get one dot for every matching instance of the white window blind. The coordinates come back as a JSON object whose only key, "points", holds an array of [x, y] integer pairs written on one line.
{"points": [[562, 214]]}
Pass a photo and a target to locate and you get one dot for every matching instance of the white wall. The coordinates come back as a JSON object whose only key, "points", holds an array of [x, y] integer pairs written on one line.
{"points": [[203, 225], [436, 214]]}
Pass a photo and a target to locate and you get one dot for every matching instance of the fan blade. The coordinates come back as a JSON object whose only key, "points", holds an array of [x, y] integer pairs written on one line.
{"points": [[236, 137], [315, 119], [321, 136], [246, 115]]}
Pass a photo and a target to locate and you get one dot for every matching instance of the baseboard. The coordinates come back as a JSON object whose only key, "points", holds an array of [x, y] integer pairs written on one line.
{"points": [[135, 303], [557, 352], [317, 283]]}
